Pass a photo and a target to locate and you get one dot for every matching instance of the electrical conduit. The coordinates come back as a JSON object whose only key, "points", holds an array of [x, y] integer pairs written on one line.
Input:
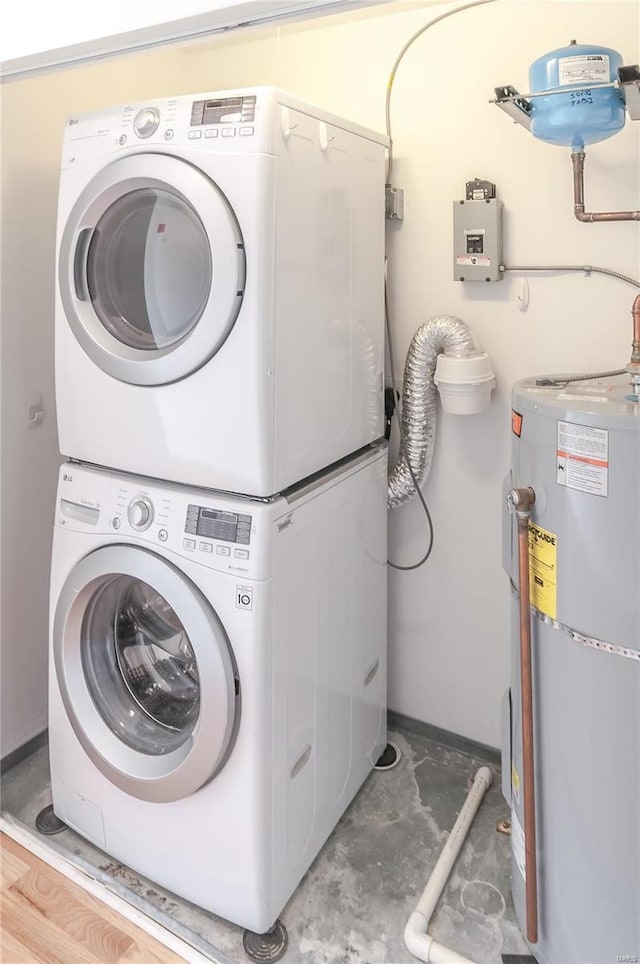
{"points": [[417, 939]]}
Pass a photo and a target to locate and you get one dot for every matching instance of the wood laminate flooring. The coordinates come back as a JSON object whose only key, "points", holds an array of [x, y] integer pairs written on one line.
{"points": [[47, 919]]}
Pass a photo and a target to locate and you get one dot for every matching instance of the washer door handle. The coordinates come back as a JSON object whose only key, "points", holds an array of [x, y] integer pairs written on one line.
{"points": [[80, 263]]}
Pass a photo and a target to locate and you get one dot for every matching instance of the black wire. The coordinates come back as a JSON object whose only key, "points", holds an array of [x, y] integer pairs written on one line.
{"points": [[421, 562]]}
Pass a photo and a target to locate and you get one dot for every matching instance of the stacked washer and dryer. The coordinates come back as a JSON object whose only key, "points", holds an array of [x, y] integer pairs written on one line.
{"points": [[218, 591]]}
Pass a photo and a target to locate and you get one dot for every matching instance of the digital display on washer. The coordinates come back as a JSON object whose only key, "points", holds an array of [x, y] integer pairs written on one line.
{"points": [[217, 524], [224, 110]]}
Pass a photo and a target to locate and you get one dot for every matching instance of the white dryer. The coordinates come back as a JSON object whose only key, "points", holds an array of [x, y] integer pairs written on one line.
{"points": [[219, 293], [217, 675]]}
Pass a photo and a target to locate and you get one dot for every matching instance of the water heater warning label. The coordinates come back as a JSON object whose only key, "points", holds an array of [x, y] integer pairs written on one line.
{"points": [[583, 458], [543, 567]]}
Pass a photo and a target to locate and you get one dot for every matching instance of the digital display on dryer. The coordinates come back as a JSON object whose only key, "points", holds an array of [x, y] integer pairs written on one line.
{"points": [[223, 110], [218, 524]]}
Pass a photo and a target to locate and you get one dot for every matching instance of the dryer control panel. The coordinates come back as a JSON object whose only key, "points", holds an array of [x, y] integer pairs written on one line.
{"points": [[242, 121], [224, 110], [249, 120]]}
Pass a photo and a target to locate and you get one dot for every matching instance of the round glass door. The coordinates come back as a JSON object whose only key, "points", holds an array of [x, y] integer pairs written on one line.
{"points": [[140, 666], [149, 269], [145, 672]]}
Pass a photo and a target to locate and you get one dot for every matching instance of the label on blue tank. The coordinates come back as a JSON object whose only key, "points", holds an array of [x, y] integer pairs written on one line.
{"points": [[584, 69]]}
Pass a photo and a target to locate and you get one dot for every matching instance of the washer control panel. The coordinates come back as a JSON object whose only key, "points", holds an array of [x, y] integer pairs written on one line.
{"points": [[215, 530]]}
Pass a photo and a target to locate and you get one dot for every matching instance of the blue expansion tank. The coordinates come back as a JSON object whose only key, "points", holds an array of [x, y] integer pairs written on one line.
{"points": [[578, 109]]}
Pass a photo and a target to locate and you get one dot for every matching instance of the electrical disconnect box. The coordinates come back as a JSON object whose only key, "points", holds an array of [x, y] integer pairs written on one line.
{"points": [[477, 234]]}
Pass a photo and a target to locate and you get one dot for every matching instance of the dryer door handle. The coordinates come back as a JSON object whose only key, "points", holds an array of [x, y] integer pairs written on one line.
{"points": [[80, 264]]}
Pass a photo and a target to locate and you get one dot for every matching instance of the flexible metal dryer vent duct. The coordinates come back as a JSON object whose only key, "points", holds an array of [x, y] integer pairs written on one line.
{"points": [[444, 333]]}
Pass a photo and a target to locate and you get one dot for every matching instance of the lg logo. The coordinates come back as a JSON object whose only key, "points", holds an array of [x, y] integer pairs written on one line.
{"points": [[244, 597], [67, 478]]}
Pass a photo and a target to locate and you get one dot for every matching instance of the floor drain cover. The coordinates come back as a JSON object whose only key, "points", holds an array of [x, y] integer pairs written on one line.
{"points": [[389, 757], [265, 948], [47, 822], [518, 959]]}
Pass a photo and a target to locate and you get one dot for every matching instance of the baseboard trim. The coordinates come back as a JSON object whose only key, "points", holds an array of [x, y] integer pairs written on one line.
{"points": [[452, 741], [22, 752]]}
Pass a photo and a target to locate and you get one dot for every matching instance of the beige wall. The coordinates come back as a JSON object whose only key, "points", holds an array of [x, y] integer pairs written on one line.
{"points": [[448, 630]]}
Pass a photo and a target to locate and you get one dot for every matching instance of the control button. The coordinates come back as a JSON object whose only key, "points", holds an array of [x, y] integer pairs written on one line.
{"points": [[212, 132], [223, 551], [246, 131], [241, 553], [116, 523], [168, 134], [205, 547], [146, 121], [195, 135], [189, 543], [228, 132], [163, 535], [140, 513], [122, 139]]}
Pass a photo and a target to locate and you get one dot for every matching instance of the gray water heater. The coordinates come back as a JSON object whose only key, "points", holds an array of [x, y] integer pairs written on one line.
{"points": [[578, 446]]}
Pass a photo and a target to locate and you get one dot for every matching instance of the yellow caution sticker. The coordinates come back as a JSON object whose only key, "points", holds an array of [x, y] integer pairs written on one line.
{"points": [[515, 783], [543, 565]]}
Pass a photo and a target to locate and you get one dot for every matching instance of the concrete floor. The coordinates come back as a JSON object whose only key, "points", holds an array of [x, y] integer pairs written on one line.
{"points": [[352, 905]]}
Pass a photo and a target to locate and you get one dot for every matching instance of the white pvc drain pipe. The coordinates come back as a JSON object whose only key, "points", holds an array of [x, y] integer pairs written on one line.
{"points": [[416, 937]]}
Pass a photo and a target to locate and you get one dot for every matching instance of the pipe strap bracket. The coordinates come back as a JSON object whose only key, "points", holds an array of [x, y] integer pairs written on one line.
{"points": [[590, 641]]}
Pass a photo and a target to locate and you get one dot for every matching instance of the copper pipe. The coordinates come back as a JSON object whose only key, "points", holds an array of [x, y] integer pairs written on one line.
{"points": [[522, 500], [577, 159]]}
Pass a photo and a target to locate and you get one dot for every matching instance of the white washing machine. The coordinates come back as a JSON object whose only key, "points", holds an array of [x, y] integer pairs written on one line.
{"points": [[217, 675], [219, 293]]}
